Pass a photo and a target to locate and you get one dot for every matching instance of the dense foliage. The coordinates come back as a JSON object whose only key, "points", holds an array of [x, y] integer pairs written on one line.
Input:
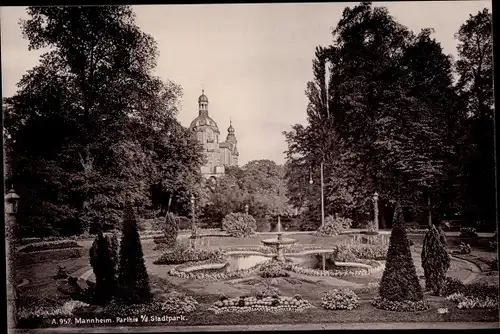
{"points": [[260, 184], [239, 225], [435, 261], [400, 281]]}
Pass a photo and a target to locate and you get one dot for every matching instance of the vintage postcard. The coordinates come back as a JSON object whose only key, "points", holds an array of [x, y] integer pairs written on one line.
{"points": [[265, 166]]}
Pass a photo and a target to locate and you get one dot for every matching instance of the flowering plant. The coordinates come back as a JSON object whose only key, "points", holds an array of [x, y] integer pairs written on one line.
{"points": [[340, 299]]}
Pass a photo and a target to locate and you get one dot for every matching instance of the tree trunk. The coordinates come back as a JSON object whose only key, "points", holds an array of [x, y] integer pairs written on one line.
{"points": [[429, 208]]}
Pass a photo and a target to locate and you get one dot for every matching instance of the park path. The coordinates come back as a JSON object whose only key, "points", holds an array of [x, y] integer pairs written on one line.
{"points": [[272, 327]]}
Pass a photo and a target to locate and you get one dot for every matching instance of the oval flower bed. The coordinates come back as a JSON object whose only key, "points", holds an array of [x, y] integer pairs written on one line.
{"points": [[265, 304], [180, 271], [375, 266]]}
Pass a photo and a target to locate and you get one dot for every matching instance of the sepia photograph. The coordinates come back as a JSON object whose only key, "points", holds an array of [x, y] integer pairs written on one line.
{"points": [[249, 167]]}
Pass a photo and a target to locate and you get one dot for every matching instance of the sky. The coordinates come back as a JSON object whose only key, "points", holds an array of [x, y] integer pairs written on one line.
{"points": [[252, 60]]}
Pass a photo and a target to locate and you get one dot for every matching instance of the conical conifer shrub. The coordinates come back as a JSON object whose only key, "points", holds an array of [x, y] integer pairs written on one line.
{"points": [[400, 281], [133, 280], [435, 261]]}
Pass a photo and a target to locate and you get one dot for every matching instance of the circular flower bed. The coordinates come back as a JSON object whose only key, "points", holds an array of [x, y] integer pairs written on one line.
{"points": [[375, 267], [340, 299], [265, 304], [406, 306]]}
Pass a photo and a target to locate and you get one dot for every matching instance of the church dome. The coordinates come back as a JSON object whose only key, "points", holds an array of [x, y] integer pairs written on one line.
{"points": [[203, 98], [204, 120]]}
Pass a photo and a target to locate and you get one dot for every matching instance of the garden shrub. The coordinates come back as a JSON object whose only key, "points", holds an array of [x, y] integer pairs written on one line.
{"points": [[343, 253], [464, 248], [171, 229], [49, 245], [61, 272], [333, 226], [399, 281], [133, 280], [340, 299], [103, 265], [468, 232], [435, 261], [273, 269], [182, 253], [239, 225], [452, 285]]}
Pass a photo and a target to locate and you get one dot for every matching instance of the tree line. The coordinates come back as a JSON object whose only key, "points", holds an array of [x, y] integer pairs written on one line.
{"points": [[390, 113]]}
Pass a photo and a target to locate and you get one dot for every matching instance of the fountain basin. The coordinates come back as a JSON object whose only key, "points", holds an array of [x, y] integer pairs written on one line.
{"points": [[276, 241]]}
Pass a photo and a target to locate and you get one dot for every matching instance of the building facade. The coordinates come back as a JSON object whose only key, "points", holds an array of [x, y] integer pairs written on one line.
{"points": [[219, 154]]}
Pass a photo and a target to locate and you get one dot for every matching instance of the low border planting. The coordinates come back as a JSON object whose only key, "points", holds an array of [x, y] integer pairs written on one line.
{"points": [[376, 267], [406, 306], [469, 302], [49, 245], [274, 303]]}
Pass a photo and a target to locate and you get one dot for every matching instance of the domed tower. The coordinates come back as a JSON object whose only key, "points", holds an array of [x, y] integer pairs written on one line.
{"points": [[229, 150], [207, 132]]}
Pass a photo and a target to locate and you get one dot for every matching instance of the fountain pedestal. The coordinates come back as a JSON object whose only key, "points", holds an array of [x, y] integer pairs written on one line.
{"points": [[279, 243]]}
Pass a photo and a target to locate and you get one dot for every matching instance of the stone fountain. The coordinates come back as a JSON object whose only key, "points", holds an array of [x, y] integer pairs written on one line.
{"points": [[279, 242]]}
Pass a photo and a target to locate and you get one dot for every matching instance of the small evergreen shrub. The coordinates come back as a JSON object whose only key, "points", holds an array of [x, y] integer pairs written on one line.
{"points": [[239, 225], [435, 261], [133, 279], [333, 226], [340, 299], [399, 281], [171, 229]]}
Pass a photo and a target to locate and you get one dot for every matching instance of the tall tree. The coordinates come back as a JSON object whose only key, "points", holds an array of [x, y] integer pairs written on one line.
{"points": [[390, 98], [475, 84], [105, 112]]}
